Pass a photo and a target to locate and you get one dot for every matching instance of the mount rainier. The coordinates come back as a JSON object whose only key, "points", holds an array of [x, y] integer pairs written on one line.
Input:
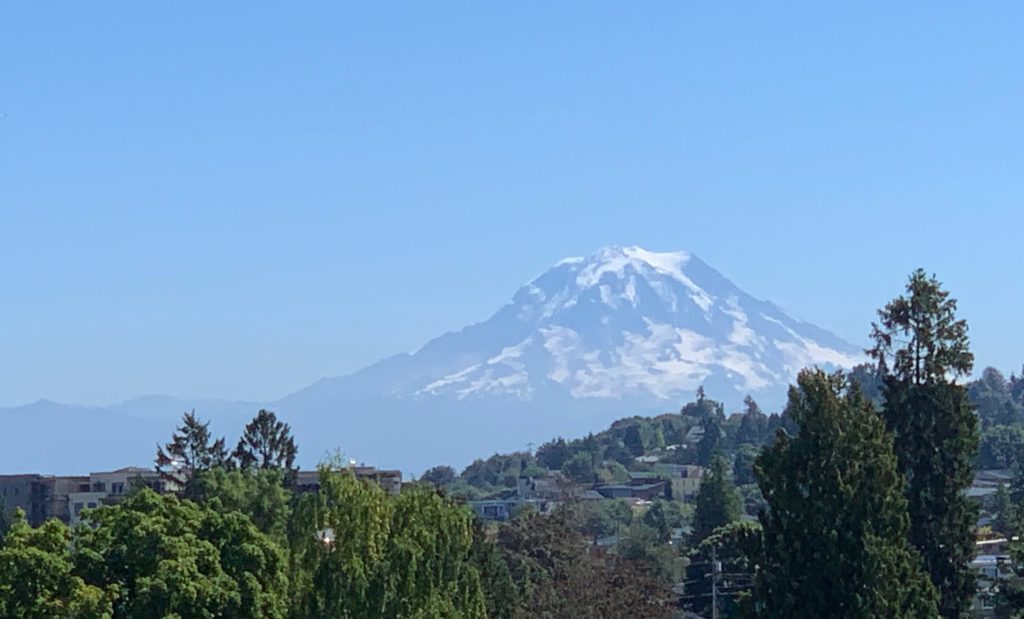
{"points": [[620, 332]]}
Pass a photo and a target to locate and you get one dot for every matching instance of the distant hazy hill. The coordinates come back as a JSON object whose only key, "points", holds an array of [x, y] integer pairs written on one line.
{"points": [[619, 332]]}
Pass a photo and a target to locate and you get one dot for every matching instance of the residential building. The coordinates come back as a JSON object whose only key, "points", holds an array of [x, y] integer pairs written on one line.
{"points": [[389, 480], [30, 492]]}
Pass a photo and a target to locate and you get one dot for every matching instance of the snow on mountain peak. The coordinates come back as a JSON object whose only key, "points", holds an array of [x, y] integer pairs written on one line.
{"points": [[625, 322]]}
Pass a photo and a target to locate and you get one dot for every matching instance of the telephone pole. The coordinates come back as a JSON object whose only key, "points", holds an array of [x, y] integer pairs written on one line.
{"points": [[714, 582]]}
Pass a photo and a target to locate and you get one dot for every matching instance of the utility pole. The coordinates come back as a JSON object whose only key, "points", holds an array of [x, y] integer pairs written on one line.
{"points": [[714, 582]]}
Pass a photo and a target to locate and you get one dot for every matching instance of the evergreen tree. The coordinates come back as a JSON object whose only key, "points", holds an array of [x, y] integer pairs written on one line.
{"points": [[922, 348], [634, 440], [711, 443], [553, 454], [189, 453], [835, 531], [753, 429], [717, 503], [266, 443]]}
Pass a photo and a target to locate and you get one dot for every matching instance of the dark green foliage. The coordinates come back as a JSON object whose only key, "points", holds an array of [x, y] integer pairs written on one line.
{"points": [[736, 548], [1001, 447], [922, 347], [5, 521], [704, 409], [835, 533], [553, 454], [870, 380], [191, 451], [711, 443], [580, 468], [1003, 512], [266, 443], [439, 476], [993, 400], [498, 471], [634, 441], [918, 338], [717, 501], [743, 465], [753, 428]]}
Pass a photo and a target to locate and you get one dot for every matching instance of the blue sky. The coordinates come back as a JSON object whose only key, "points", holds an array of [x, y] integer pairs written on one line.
{"points": [[236, 200]]}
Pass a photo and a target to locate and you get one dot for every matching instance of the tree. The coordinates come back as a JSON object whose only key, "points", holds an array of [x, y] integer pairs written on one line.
{"points": [[360, 553], [753, 429], [711, 442], [1001, 447], [164, 557], [261, 494], [266, 443], [729, 555], [835, 532], [580, 468], [37, 579], [634, 440], [439, 476], [604, 518], [993, 400], [717, 502], [921, 347], [556, 576], [743, 465], [663, 516], [553, 454], [190, 452]]}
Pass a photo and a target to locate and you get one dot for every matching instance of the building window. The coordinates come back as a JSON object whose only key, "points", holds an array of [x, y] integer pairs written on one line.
{"points": [[78, 508], [117, 487]]}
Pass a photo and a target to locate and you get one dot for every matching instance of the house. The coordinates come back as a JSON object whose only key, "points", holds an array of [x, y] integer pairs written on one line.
{"points": [[649, 490]]}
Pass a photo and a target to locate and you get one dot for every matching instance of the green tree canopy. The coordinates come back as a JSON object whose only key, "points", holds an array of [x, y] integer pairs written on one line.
{"points": [[835, 533], [361, 553], [159, 556], [37, 579]]}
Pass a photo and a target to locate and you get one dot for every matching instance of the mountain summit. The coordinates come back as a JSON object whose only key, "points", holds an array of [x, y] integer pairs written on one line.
{"points": [[621, 332], [622, 323]]}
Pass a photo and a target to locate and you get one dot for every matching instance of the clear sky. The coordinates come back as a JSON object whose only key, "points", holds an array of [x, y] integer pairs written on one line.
{"points": [[233, 200]]}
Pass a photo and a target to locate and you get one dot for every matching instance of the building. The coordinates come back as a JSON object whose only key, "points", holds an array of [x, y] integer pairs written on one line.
{"points": [[32, 493], [389, 480], [647, 490], [64, 497]]}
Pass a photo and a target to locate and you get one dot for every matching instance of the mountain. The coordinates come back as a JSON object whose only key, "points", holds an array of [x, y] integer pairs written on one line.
{"points": [[623, 331], [622, 323]]}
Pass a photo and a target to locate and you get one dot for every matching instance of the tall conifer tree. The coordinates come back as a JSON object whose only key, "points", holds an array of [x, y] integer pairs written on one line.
{"points": [[922, 348]]}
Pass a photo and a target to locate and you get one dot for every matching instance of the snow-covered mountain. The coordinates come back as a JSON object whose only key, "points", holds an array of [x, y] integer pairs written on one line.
{"points": [[622, 323], [621, 332]]}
